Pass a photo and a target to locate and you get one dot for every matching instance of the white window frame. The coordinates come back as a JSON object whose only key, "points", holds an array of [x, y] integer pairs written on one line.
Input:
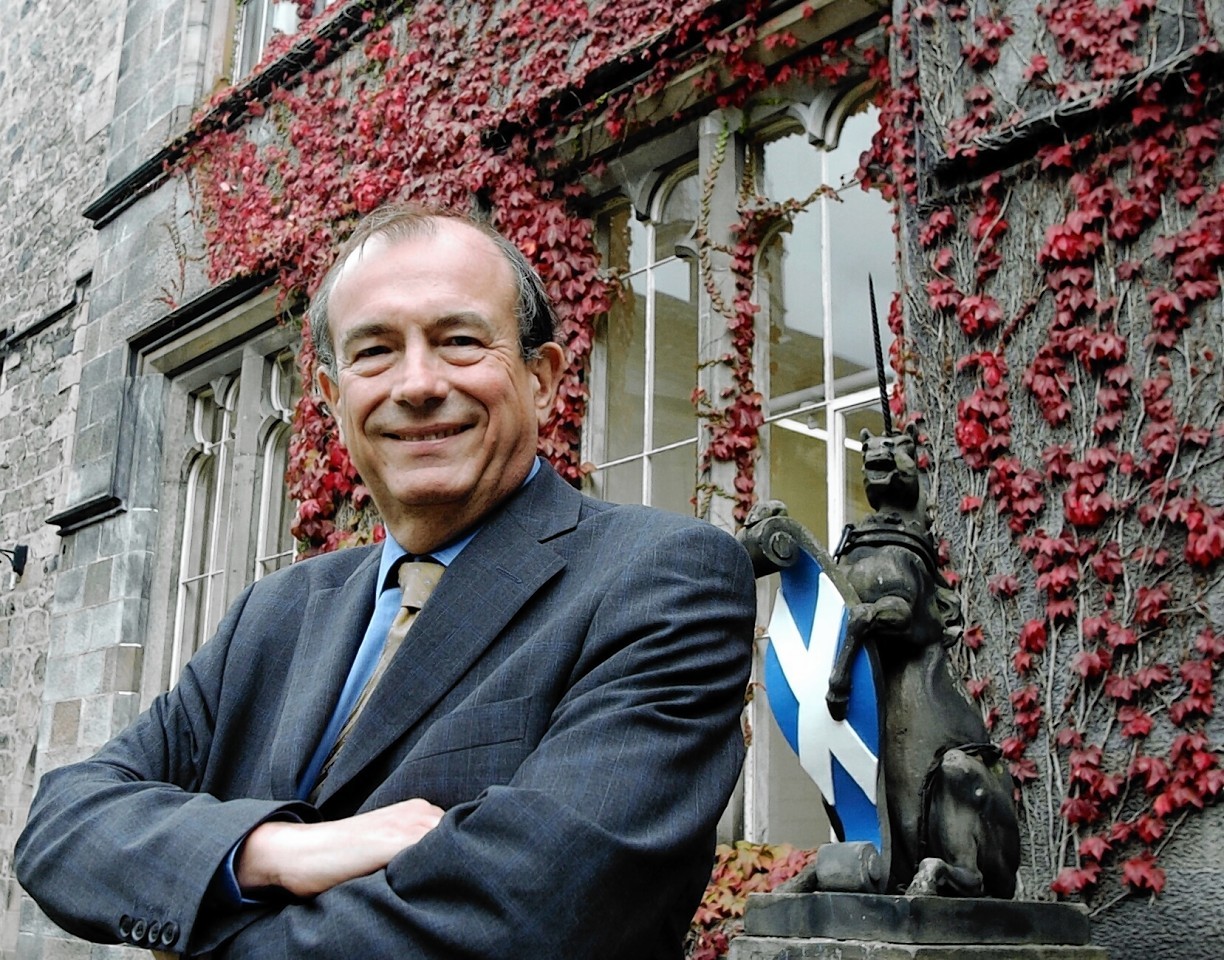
{"points": [[595, 432]]}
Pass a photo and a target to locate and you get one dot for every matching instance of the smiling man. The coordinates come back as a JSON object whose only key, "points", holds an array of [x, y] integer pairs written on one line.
{"points": [[528, 762]]}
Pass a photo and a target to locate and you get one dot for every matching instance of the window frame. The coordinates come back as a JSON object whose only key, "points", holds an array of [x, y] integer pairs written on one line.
{"points": [[234, 348], [773, 778], [595, 432]]}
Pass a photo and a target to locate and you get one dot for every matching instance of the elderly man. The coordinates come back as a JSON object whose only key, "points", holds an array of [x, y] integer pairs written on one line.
{"points": [[528, 764]]}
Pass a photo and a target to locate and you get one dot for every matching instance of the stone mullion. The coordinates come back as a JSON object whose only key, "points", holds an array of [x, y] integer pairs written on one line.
{"points": [[721, 154]]}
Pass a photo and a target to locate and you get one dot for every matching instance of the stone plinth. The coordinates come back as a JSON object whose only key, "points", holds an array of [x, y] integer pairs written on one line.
{"points": [[853, 926]]}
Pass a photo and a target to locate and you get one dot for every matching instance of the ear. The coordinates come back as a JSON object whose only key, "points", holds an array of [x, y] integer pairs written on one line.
{"points": [[546, 371], [329, 388]]}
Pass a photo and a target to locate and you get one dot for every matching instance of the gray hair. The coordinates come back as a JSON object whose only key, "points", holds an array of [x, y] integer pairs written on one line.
{"points": [[533, 310]]}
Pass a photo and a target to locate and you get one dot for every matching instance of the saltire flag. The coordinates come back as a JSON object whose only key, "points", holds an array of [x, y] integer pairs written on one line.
{"points": [[806, 631]]}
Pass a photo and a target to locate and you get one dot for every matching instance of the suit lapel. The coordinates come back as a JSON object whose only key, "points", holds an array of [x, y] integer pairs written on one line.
{"points": [[332, 627], [489, 582]]}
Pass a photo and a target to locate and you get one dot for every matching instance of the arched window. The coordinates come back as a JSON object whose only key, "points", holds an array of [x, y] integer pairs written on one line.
{"points": [[231, 384], [814, 360], [646, 450]]}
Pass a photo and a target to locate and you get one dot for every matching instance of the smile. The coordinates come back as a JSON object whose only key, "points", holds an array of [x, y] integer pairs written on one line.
{"points": [[415, 437]]}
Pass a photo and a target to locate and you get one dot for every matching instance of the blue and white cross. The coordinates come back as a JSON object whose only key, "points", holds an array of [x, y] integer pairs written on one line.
{"points": [[806, 631]]}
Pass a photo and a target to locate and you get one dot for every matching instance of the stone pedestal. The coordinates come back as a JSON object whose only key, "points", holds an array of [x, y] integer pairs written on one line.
{"points": [[855, 926]]}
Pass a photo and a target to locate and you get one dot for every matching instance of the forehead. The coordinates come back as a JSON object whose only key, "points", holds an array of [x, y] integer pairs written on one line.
{"points": [[438, 252]]}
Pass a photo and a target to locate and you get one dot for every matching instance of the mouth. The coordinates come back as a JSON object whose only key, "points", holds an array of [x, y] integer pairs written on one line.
{"points": [[425, 436]]}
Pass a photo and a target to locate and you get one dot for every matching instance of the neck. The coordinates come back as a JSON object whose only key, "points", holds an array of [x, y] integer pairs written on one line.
{"points": [[420, 536]]}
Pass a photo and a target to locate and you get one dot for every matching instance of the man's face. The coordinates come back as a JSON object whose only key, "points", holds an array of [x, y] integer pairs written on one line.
{"points": [[438, 408]]}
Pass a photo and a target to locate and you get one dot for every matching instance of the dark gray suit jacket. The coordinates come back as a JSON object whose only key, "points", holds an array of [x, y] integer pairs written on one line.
{"points": [[570, 695]]}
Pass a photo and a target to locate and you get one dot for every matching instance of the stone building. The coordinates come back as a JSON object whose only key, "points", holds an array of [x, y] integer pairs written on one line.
{"points": [[709, 154]]}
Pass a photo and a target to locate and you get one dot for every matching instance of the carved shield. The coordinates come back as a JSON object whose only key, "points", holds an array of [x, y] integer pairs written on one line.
{"points": [[806, 632]]}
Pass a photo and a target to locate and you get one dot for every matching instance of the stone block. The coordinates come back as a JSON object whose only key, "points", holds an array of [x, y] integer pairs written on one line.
{"points": [[94, 671], [29, 947], [96, 713], [105, 626], [61, 683], [66, 949], [69, 588], [819, 948], [916, 920], [96, 442], [123, 667], [85, 547], [125, 708], [70, 633], [98, 582], [131, 574], [65, 723], [89, 479], [95, 373]]}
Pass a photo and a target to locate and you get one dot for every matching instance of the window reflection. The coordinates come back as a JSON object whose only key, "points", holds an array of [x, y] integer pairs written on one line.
{"points": [[649, 450], [813, 279]]}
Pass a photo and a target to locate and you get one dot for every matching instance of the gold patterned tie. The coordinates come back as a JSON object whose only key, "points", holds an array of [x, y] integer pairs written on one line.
{"points": [[417, 581]]}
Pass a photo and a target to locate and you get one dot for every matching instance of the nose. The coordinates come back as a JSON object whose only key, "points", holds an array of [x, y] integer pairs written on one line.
{"points": [[420, 377]]}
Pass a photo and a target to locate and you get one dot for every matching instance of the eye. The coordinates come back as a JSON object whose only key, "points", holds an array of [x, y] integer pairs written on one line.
{"points": [[370, 351]]}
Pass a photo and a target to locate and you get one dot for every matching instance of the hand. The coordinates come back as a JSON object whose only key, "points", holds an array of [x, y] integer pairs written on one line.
{"points": [[308, 858]]}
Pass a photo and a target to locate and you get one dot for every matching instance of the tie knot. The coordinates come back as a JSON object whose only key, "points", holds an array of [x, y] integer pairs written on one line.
{"points": [[417, 579]]}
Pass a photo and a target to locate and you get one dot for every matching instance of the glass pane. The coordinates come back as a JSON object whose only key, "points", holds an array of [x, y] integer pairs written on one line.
{"points": [[622, 483], [678, 215], [791, 263], [673, 477], [861, 227], [857, 420], [675, 361], [276, 509], [792, 168], [260, 19], [283, 385], [195, 568], [853, 140], [639, 247], [625, 341], [623, 238], [798, 476]]}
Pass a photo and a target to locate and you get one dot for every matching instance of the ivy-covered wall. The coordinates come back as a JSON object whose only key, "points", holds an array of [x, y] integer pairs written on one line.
{"points": [[1062, 214], [487, 104], [1056, 173]]}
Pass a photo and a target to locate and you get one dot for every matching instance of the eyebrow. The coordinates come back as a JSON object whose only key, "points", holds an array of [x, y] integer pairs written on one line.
{"points": [[464, 318], [378, 328], [372, 328]]}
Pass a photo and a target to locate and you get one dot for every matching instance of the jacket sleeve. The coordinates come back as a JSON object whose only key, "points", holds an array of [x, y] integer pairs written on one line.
{"points": [[601, 843], [125, 840]]}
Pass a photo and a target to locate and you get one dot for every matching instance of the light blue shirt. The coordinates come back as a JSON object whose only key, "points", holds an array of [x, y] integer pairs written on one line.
{"points": [[386, 606]]}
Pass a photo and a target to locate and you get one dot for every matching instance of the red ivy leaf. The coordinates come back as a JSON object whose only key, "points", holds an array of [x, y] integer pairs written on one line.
{"points": [[1091, 663], [1152, 770], [1073, 880], [1141, 873]]}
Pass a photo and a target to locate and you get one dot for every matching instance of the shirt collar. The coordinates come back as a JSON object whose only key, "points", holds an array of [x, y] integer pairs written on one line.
{"points": [[392, 551]]}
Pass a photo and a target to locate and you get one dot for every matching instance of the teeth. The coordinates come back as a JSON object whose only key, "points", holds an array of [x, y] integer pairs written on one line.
{"points": [[422, 437]]}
